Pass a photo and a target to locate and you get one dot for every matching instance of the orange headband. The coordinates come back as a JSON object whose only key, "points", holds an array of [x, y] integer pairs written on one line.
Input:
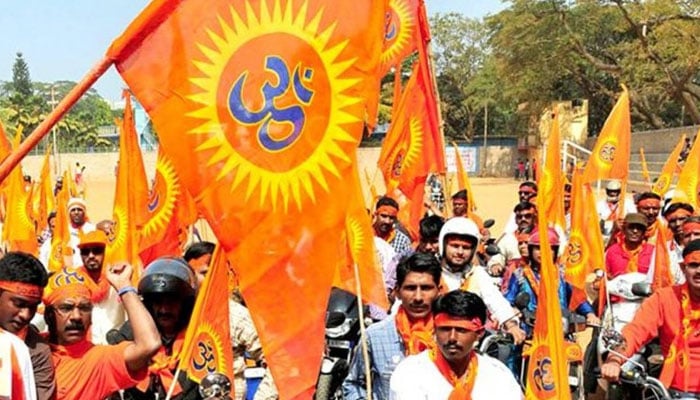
{"points": [[693, 257], [691, 227], [649, 203], [681, 212], [22, 289], [444, 319], [387, 210]]}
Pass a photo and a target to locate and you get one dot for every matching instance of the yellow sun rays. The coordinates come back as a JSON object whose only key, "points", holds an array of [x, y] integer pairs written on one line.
{"points": [[268, 187], [404, 35], [415, 147], [167, 198]]}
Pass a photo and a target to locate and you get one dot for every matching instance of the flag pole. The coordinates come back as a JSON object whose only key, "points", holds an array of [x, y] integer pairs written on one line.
{"points": [[54, 116], [363, 332], [172, 384]]}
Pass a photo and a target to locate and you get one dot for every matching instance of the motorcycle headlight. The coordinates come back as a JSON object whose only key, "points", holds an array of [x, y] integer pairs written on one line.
{"points": [[339, 330]]}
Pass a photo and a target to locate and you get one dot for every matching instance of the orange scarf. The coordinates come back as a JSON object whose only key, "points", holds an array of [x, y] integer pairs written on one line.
{"points": [[164, 365], [534, 282], [416, 335], [677, 357], [98, 290], [633, 263], [463, 385]]}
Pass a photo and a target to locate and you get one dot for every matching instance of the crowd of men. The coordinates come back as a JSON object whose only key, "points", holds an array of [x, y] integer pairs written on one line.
{"points": [[87, 332]]}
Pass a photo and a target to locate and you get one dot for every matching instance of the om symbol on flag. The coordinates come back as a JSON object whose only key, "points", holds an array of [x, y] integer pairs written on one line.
{"points": [[294, 115], [205, 358], [607, 152]]}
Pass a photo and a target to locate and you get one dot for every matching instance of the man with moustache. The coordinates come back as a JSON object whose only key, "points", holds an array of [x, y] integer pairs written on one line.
{"points": [[107, 312], [85, 370], [454, 369], [675, 215], [408, 331], [671, 314], [22, 282], [168, 289], [629, 253], [385, 216]]}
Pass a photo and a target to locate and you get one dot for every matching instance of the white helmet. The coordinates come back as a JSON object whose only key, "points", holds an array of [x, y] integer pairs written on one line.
{"points": [[613, 184], [458, 226]]}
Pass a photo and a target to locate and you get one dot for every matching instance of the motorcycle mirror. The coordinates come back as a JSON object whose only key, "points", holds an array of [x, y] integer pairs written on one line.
{"points": [[492, 250], [215, 386], [641, 289], [489, 223], [522, 300]]}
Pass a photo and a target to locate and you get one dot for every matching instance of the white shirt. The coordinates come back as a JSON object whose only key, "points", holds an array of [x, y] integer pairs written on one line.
{"points": [[417, 378], [75, 240], [604, 210], [480, 283], [107, 314], [8, 344]]}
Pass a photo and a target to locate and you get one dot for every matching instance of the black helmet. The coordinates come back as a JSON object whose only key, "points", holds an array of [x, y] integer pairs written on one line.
{"points": [[168, 275]]}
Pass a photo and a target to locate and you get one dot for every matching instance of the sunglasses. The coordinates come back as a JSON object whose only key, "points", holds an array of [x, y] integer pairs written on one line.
{"points": [[524, 216], [526, 193], [98, 251]]}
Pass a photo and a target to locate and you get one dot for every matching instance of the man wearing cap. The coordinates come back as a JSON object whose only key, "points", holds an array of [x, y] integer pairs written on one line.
{"points": [[630, 252], [22, 282], [107, 312], [610, 209], [85, 370], [671, 314], [79, 225], [454, 369], [675, 215], [385, 216]]}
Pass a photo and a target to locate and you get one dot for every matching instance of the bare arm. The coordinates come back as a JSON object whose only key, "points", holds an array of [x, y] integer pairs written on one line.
{"points": [[138, 353]]}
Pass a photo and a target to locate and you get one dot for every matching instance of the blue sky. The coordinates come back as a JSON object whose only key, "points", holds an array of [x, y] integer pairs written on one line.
{"points": [[62, 40]]}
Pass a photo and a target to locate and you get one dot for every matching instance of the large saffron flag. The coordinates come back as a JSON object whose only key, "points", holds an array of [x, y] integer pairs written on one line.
{"points": [[266, 102], [401, 36], [130, 196], [669, 170], [18, 231], [547, 371], [46, 200], [584, 251], [551, 181], [207, 347], [687, 185], [611, 153]]}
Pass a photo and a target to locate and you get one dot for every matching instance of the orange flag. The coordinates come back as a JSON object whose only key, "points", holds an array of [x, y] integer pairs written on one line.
{"points": [[266, 101], [584, 251], [61, 251], [130, 196], [687, 185], [670, 169], [463, 182], [547, 372], [551, 179], [18, 231], [207, 347], [611, 154], [400, 32], [160, 235], [46, 198], [662, 261]]}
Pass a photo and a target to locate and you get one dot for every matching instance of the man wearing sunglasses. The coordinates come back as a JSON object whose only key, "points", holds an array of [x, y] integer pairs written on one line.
{"points": [[107, 312], [527, 192]]}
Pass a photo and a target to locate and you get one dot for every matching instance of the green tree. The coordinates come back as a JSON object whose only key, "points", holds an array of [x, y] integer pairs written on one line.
{"points": [[21, 82]]}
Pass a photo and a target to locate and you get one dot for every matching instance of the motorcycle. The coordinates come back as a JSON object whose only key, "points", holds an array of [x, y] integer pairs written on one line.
{"points": [[215, 386], [342, 335], [648, 387], [630, 289]]}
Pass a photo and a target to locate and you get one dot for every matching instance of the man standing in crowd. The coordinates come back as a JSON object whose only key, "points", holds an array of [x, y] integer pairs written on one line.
{"points": [[429, 232], [79, 225], [385, 216], [22, 282], [107, 312], [613, 208], [409, 331], [168, 289], [675, 215], [85, 370], [454, 369]]}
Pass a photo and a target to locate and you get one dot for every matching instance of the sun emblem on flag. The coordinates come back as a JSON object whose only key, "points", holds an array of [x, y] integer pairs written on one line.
{"points": [[357, 240], [398, 33], [607, 152], [161, 200], [415, 146], [276, 88], [121, 220]]}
